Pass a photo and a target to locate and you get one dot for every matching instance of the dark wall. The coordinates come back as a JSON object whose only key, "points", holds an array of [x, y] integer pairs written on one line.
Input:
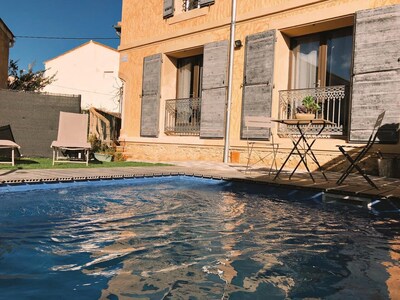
{"points": [[34, 118]]}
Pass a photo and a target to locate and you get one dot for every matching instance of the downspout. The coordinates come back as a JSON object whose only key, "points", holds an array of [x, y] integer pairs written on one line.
{"points": [[230, 76]]}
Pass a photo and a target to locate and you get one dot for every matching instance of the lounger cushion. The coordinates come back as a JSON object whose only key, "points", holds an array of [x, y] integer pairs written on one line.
{"points": [[8, 144]]}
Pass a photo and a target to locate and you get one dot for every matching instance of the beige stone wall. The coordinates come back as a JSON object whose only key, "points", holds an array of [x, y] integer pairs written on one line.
{"points": [[144, 33], [165, 152], [4, 52], [171, 152]]}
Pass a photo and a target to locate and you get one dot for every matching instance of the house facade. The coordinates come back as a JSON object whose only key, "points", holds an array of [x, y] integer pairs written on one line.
{"points": [[6, 42], [90, 70], [174, 60]]}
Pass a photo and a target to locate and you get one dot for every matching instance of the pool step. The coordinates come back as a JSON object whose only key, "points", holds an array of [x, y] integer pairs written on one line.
{"points": [[347, 200]]}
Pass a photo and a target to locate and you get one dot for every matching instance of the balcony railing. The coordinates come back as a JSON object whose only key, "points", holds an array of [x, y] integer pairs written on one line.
{"points": [[190, 4], [333, 101], [182, 116]]}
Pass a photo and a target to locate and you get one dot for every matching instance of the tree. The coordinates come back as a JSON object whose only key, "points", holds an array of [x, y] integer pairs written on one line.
{"points": [[23, 80]]}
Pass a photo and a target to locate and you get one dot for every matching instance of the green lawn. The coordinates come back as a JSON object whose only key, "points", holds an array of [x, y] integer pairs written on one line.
{"points": [[46, 163]]}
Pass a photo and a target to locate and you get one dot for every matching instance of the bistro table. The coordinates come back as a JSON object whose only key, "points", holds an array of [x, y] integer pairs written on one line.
{"points": [[303, 127]]}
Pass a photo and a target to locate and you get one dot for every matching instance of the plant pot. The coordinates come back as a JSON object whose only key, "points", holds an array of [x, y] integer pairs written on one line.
{"points": [[301, 116], [235, 157], [103, 157], [386, 167]]}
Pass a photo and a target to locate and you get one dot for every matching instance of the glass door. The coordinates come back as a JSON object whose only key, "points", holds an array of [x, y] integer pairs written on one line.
{"points": [[305, 51], [322, 59], [321, 63]]}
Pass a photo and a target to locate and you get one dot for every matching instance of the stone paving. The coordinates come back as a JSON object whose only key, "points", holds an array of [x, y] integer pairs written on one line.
{"points": [[355, 185]]}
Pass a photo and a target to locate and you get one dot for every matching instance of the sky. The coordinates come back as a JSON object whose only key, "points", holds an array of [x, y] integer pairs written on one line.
{"points": [[90, 19]]}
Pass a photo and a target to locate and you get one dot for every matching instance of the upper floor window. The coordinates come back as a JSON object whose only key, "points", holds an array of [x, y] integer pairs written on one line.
{"points": [[190, 4], [322, 59]]}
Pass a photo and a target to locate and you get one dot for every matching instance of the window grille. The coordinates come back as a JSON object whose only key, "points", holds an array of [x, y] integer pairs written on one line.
{"points": [[190, 4]]}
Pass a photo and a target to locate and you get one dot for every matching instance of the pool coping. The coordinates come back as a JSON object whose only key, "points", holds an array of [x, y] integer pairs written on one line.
{"points": [[228, 173]]}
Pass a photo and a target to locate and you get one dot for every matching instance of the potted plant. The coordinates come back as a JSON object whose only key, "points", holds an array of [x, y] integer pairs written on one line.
{"points": [[101, 151], [308, 109]]}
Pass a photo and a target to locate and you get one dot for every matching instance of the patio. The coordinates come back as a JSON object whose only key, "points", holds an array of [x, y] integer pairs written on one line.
{"points": [[355, 186]]}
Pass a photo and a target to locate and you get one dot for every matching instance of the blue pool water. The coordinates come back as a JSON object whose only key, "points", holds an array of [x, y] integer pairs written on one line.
{"points": [[190, 238]]}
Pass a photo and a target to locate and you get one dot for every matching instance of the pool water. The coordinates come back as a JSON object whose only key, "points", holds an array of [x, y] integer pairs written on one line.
{"points": [[191, 238]]}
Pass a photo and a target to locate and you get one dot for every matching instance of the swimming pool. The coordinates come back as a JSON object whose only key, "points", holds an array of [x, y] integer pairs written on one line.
{"points": [[190, 238]]}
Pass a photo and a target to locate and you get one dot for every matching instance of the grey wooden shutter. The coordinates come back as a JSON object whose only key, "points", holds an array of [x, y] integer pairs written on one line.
{"points": [[257, 83], [168, 9], [151, 96], [376, 73], [206, 2], [215, 66]]}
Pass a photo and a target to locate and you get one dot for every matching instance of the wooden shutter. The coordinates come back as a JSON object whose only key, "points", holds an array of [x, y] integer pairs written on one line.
{"points": [[376, 73], [206, 2], [257, 83], [214, 90], [151, 96], [168, 9]]}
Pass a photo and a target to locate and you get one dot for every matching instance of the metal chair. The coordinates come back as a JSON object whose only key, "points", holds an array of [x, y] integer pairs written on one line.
{"points": [[263, 123], [360, 152]]}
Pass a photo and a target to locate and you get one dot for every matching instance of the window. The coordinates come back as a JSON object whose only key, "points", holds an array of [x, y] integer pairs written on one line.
{"points": [[320, 66], [189, 77], [182, 115], [190, 4], [322, 59]]}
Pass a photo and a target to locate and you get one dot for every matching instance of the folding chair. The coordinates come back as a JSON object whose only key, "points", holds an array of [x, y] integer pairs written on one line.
{"points": [[360, 153], [72, 136], [263, 123]]}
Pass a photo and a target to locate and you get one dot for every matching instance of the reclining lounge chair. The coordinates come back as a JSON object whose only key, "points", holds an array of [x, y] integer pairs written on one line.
{"points": [[7, 143], [72, 137]]}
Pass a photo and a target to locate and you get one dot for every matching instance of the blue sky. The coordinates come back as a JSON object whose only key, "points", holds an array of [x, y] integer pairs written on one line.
{"points": [[57, 18]]}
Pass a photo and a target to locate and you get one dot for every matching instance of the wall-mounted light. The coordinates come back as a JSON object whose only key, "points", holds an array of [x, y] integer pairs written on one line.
{"points": [[238, 44]]}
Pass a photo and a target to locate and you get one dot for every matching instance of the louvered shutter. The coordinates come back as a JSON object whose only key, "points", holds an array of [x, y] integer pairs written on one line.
{"points": [[151, 96], [168, 9], [376, 73], [206, 2], [214, 88], [257, 83]]}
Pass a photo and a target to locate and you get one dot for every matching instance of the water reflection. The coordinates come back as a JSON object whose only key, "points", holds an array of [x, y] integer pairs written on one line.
{"points": [[233, 245], [189, 239], [391, 227]]}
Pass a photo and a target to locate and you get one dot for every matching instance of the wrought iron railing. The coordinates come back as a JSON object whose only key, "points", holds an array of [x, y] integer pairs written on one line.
{"points": [[190, 4], [333, 101], [182, 116]]}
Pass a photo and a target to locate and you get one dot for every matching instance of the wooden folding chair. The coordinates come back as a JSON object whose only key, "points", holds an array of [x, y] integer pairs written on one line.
{"points": [[262, 123], [360, 152]]}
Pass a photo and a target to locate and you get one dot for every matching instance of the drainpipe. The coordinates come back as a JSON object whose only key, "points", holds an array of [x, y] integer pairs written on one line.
{"points": [[230, 75]]}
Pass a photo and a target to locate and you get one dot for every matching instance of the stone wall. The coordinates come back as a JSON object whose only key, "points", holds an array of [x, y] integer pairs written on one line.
{"points": [[170, 152], [329, 160]]}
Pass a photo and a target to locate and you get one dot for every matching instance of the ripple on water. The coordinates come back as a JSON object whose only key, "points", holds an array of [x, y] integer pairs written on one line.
{"points": [[181, 238]]}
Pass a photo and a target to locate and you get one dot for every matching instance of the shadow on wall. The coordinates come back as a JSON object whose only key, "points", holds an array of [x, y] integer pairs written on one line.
{"points": [[388, 133]]}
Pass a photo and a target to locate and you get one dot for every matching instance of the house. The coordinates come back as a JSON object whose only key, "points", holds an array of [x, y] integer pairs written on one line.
{"points": [[174, 60], [6, 42], [90, 70]]}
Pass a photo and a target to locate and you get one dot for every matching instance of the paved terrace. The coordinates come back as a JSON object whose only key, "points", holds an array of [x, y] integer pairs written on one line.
{"points": [[355, 185]]}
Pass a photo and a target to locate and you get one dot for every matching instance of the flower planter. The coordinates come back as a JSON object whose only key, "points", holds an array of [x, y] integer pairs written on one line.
{"points": [[103, 157], [386, 167], [301, 116]]}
